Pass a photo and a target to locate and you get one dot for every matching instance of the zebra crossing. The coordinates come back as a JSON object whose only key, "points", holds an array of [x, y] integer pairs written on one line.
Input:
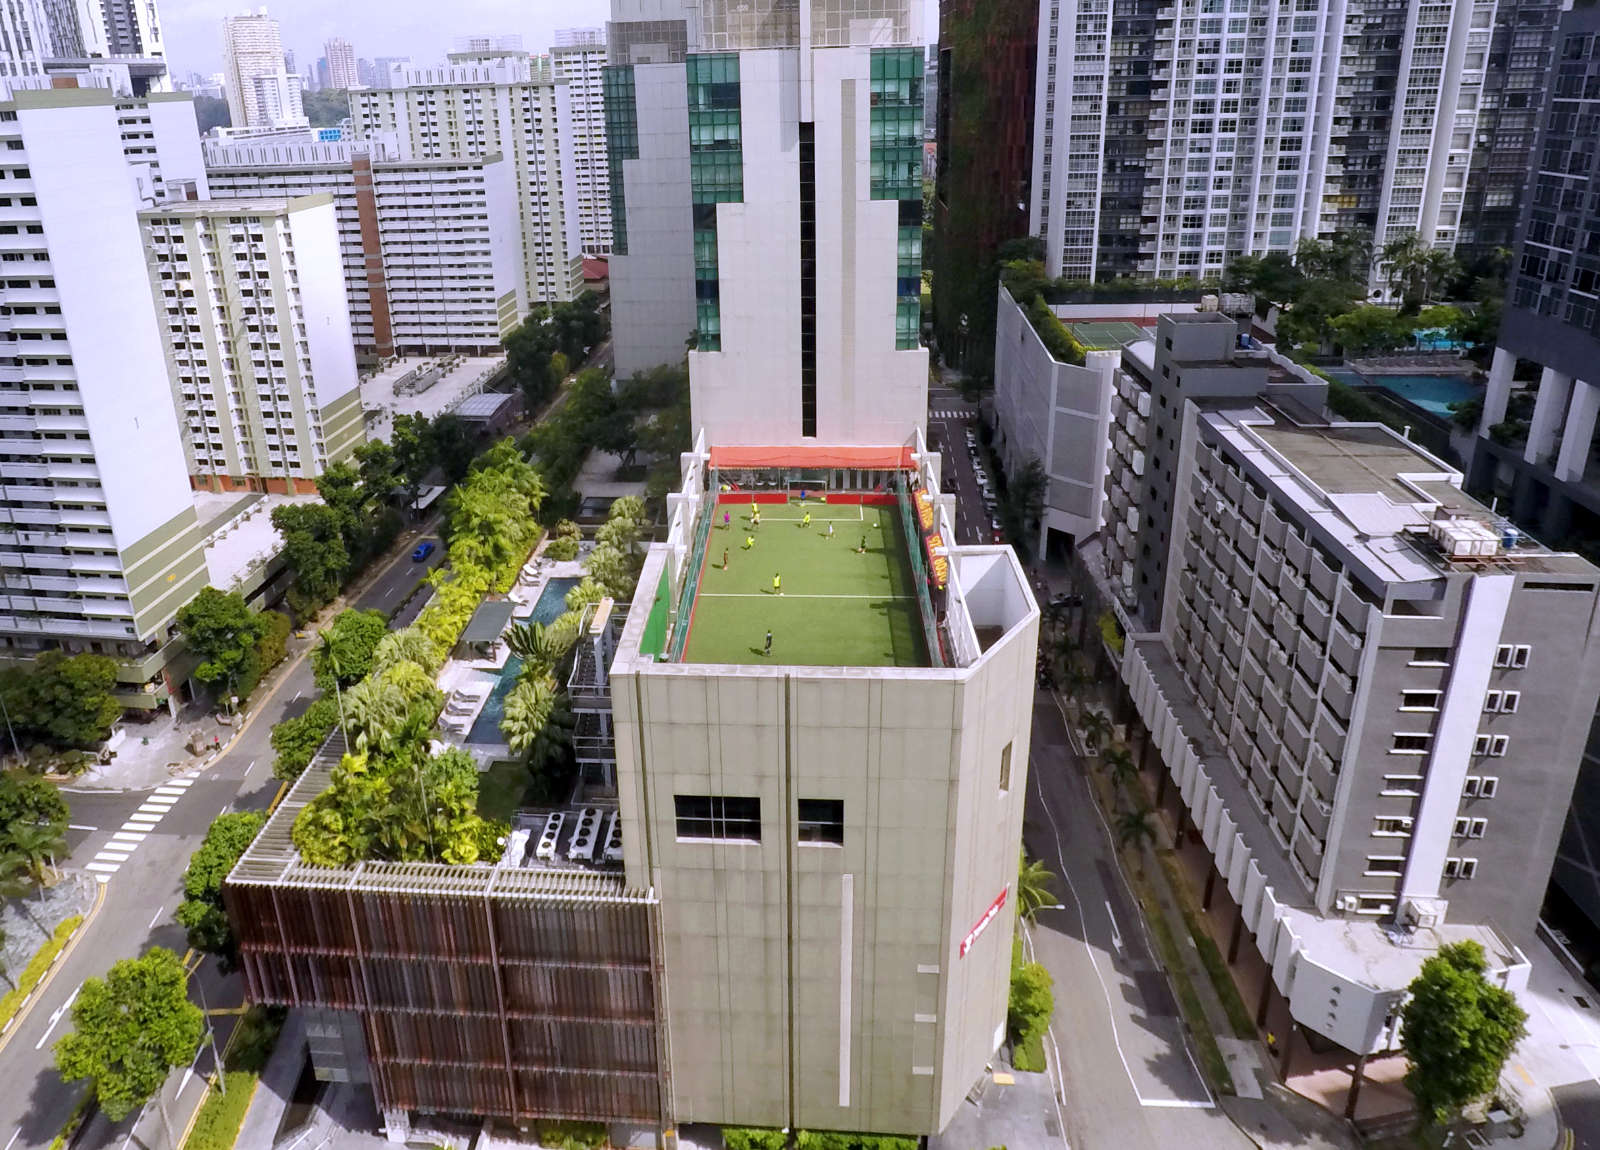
{"points": [[137, 828], [953, 413]]}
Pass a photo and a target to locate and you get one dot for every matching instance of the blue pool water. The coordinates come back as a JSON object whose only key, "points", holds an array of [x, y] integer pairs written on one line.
{"points": [[486, 727], [1433, 393]]}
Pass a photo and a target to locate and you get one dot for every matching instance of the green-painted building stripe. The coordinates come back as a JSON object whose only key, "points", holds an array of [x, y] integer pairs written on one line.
{"points": [[136, 553]]}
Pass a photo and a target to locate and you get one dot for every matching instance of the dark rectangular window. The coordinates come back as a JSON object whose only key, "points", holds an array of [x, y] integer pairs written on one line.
{"points": [[808, 280], [718, 817], [822, 821]]}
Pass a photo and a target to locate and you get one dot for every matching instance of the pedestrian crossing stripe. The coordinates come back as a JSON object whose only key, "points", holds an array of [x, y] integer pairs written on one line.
{"points": [[137, 828], [950, 414]]}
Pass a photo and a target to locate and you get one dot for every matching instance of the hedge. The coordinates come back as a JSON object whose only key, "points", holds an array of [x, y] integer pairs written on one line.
{"points": [[216, 1127], [37, 966]]}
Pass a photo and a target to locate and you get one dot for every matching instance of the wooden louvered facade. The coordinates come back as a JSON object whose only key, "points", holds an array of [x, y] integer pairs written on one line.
{"points": [[506, 992]]}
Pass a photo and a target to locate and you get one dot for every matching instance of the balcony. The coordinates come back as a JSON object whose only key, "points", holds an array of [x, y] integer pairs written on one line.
{"points": [[1314, 616], [1317, 816], [1337, 694], [1251, 506], [1351, 609], [1329, 734], [1308, 658], [1324, 579], [1344, 649]]}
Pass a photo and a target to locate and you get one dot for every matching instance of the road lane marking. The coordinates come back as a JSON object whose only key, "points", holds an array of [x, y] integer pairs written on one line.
{"points": [[106, 868], [1116, 935], [169, 789], [158, 804], [56, 1017], [75, 827], [185, 782], [157, 917], [14, 1138], [127, 837], [114, 854]]}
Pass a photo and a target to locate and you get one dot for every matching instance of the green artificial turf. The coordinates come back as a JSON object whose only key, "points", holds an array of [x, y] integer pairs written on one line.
{"points": [[839, 608]]}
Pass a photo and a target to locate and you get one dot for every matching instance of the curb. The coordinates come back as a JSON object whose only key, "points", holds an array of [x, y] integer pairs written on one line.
{"points": [[15, 1021]]}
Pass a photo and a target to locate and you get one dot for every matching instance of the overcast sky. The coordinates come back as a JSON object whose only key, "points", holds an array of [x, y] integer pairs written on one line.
{"points": [[421, 29]]}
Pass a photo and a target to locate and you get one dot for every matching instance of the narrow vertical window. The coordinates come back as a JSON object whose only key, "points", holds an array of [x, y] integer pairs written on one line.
{"points": [[808, 280], [1005, 769]]}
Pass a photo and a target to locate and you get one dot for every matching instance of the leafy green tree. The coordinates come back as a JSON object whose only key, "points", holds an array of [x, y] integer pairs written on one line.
{"points": [[540, 646], [221, 628], [1346, 256], [130, 1030], [1272, 278], [325, 108], [528, 708], [31, 847], [453, 447], [296, 740], [1441, 317], [274, 642], [63, 700], [1370, 328], [1458, 1029], [1313, 307], [211, 112], [1417, 270], [1033, 887], [379, 471], [408, 645], [314, 548], [375, 710], [1032, 1002], [201, 912], [28, 800], [346, 648], [412, 446]]}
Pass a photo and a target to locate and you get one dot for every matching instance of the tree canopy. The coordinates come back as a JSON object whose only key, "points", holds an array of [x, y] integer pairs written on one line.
{"points": [[346, 648], [221, 628], [62, 700], [1458, 1029], [201, 912], [130, 1029]]}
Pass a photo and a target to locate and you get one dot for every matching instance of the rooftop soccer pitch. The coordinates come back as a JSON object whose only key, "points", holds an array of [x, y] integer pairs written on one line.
{"points": [[836, 605]]}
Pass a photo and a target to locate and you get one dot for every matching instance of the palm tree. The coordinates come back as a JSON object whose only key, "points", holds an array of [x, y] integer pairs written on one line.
{"points": [[1096, 727], [1123, 771], [1033, 887], [375, 710], [33, 845], [540, 647], [1134, 830], [407, 645], [528, 708], [1417, 269]]}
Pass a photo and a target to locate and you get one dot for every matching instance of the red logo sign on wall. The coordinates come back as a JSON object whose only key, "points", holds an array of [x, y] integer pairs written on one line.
{"points": [[978, 927]]}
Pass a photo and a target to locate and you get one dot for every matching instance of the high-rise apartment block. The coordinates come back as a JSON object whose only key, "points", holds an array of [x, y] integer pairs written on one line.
{"points": [[278, 101], [1368, 693], [341, 57], [99, 540], [257, 338], [117, 42], [481, 104], [1184, 134], [579, 57], [252, 50], [432, 249]]}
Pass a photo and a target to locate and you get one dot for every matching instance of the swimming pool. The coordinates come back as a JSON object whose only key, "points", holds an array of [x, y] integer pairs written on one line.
{"points": [[486, 727], [1433, 393]]}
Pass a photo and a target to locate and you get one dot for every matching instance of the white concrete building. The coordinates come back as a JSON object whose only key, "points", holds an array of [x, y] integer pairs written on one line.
{"points": [[822, 302], [99, 541], [579, 57], [432, 249], [251, 47], [278, 100], [341, 57], [1252, 129], [1057, 412], [257, 338], [505, 103], [119, 39]]}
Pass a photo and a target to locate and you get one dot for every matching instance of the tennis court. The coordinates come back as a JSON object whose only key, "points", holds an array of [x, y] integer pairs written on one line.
{"points": [[1105, 335], [839, 607]]}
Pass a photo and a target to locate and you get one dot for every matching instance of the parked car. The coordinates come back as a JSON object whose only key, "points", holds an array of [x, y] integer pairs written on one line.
{"points": [[996, 532], [423, 550]]}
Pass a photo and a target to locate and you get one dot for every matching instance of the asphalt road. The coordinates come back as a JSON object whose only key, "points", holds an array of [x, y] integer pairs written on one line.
{"points": [[140, 898], [949, 416]]}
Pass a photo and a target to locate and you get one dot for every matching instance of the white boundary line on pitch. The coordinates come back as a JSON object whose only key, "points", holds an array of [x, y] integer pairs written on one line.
{"points": [[786, 595]]}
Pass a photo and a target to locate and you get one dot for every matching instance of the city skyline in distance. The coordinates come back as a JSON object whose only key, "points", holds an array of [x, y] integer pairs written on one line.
{"points": [[415, 28]]}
